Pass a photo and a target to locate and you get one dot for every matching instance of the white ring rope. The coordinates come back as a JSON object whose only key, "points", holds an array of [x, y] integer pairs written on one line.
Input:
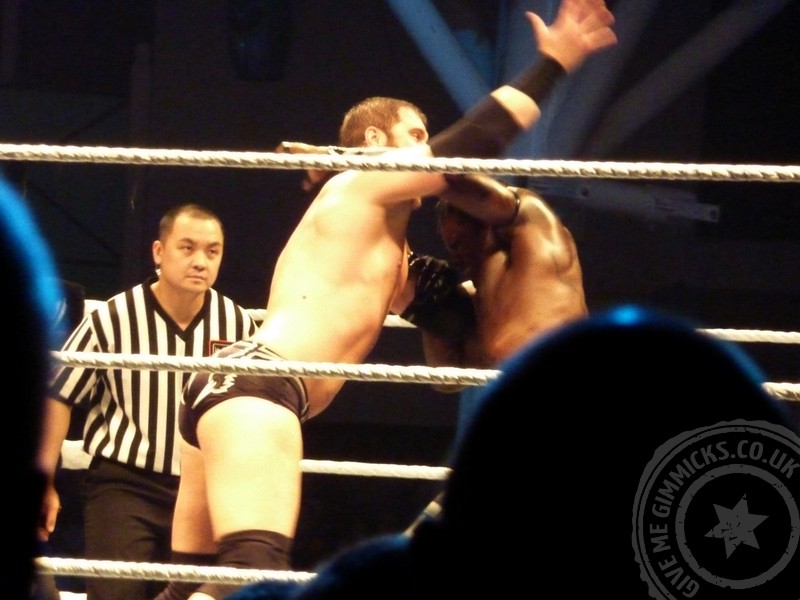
{"points": [[363, 372], [504, 166], [783, 391], [74, 457], [77, 567], [331, 467], [755, 335]]}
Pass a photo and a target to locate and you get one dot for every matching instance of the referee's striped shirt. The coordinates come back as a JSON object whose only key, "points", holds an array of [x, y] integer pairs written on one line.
{"points": [[132, 415]]}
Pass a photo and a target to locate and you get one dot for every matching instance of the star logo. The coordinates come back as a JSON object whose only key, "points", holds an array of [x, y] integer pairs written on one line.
{"points": [[736, 526]]}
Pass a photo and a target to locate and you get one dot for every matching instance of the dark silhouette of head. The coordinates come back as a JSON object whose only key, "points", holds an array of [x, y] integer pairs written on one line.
{"points": [[556, 451], [32, 297]]}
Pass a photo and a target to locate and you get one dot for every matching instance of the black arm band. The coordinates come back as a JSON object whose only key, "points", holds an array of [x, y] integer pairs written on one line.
{"points": [[538, 80], [484, 132]]}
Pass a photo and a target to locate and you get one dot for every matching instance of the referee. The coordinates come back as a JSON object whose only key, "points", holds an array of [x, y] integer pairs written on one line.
{"points": [[131, 424]]}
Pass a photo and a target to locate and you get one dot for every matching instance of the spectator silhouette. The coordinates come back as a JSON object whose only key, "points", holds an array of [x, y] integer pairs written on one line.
{"points": [[555, 455], [31, 299], [68, 539]]}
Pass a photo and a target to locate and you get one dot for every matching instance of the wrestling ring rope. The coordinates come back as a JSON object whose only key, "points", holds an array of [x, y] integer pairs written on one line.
{"points": [[334, 158], [334, 161]]}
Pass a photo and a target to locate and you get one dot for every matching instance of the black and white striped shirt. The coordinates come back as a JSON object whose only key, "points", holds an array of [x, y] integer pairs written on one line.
{"points": [[133, 414]]}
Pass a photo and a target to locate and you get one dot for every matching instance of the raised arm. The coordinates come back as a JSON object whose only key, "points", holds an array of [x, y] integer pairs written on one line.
{"points": [[581, 28]]}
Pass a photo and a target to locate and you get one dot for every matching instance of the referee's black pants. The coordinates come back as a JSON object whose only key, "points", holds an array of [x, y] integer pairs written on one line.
{"points": [[127, 517]]}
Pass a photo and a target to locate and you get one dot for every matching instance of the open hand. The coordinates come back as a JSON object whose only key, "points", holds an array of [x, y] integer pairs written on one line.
{"points": [[581, 28]]}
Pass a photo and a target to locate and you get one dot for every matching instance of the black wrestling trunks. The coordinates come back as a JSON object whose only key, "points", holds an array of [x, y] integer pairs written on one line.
{"points": [[205, 390]]}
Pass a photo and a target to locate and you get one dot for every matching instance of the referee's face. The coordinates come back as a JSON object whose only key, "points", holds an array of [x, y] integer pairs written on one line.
{"points": [[190, 255]]}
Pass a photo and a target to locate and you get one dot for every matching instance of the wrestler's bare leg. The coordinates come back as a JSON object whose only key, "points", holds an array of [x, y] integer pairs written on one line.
{"points": [[192, 535], [191, 522], [252, 450]]}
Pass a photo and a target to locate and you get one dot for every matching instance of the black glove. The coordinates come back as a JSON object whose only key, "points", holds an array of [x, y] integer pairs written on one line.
{"points": [[440, 304]]}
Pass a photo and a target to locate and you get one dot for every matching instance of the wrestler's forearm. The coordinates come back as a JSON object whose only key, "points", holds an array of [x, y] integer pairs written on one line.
{"points": [[488, 128], [581, 28]]}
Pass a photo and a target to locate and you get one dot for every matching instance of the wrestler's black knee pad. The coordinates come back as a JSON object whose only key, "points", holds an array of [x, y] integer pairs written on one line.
{"points": [[181, 590], [249, 549]]}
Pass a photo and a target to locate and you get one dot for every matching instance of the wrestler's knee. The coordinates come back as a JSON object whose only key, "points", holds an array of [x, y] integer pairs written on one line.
{"points": [[250, 549]]}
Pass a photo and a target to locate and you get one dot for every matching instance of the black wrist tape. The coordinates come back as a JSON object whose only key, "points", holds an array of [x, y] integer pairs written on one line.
{"points": [[538, 80]]}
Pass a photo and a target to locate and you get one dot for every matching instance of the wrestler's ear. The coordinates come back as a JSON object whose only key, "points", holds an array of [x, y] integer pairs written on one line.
{"points": [[373, 136], [313, 178]]}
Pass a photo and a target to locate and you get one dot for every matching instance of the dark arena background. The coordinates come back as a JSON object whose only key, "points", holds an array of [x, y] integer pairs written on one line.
{"points": [[691, 81]]}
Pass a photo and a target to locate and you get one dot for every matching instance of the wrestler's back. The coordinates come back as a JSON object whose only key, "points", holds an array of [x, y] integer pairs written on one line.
{"points": [[533, 285]]}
